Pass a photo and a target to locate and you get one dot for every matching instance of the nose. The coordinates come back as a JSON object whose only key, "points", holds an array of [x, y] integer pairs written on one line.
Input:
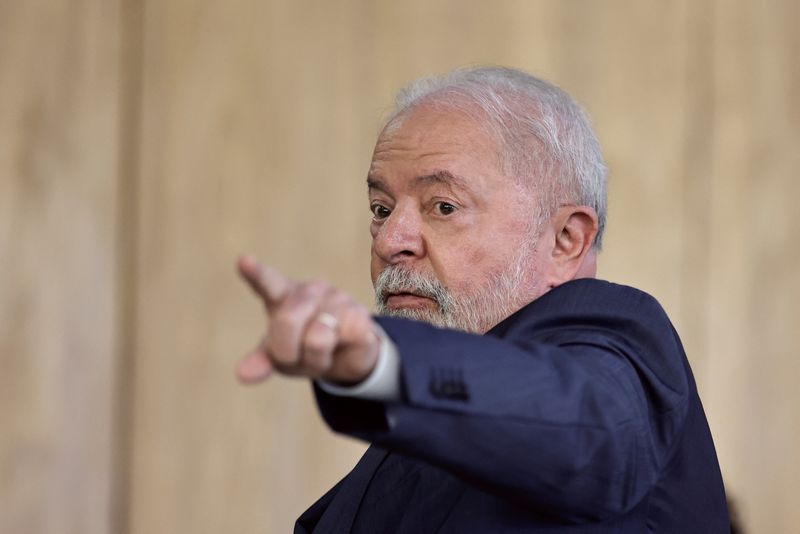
{"points": [[399, 238]]}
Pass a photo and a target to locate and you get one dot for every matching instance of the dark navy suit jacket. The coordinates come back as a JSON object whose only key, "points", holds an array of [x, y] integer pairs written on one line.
{"points": [[578, 413]]}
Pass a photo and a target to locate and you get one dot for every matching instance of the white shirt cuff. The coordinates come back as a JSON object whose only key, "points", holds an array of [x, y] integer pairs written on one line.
{"points": [[382, 384]]}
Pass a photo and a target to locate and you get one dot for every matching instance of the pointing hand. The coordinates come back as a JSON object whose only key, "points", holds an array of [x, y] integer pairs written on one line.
{"points": [[314, 330]]}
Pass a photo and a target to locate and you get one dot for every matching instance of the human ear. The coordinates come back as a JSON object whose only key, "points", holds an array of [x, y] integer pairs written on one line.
{"points": [[572, 254]]}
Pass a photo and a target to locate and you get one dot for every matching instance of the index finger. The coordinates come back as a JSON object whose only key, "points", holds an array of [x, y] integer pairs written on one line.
{"points": [[267, 282]]}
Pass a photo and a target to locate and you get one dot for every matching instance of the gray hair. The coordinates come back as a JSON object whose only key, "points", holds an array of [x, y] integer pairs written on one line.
{"points": [[546, 138]]}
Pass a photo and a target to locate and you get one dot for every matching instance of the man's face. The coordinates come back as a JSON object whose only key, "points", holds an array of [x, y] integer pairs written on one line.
{"points": [[452, 236]]}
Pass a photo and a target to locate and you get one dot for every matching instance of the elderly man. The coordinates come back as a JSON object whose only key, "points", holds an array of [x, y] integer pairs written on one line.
{"points": [[502, 387]]}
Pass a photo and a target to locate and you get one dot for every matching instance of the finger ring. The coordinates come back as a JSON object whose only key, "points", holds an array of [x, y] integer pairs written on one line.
{"points": [[328, 320]]}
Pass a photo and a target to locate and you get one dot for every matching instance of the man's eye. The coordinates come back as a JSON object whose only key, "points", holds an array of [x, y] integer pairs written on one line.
{"points": [[445, 208], [379, 211]]}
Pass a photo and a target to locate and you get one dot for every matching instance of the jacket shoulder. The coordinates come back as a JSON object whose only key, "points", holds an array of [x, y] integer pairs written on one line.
{"points": [[595, 312], [587, 302]]}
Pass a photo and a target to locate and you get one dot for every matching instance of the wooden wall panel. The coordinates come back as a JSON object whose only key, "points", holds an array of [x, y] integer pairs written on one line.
{"points": [[247, 126], [253, 140], [58, 222], [754, 341], [258, 124]]}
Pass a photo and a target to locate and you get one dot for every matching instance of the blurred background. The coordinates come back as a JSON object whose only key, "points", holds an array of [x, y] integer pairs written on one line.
{"points": [[145, 144]]}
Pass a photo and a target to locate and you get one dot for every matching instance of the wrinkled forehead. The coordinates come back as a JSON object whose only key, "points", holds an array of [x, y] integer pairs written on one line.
{"points": [[439, 130], [443, 111], [499, 136], [445, 150]]}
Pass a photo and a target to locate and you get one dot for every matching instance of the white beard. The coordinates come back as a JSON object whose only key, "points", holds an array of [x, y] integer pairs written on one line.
{"points": [[478, 311]]}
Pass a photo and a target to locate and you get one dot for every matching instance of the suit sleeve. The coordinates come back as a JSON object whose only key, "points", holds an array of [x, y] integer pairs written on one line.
{"points": [[574, 411]]}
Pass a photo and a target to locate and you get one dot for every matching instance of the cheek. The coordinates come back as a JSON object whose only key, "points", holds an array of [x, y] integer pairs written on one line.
{"points": [[477, 257], [375, 266], [466, 268], [479, 264]]}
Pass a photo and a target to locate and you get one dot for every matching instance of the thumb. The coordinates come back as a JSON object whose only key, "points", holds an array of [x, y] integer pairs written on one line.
{"points": [[254, 368]]}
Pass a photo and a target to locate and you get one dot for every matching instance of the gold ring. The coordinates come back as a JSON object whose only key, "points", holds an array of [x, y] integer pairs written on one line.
{"points": [[328, 320]]}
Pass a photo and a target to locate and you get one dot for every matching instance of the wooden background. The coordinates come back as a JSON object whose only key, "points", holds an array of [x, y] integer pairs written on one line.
{"points": [[144, 144]]}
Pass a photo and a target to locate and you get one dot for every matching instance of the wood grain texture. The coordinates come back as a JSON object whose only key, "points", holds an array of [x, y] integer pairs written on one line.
{"points": [[258, 124], [145, 144], [251, 142], [58, 208], [752, 395]]}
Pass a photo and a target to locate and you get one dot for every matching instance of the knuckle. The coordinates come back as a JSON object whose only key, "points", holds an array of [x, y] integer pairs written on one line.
{"points": [[293, 305], [303, 295], [314, 287], [341, 300], [284, 321], [354, 320], [339, 295], [317, 343]]}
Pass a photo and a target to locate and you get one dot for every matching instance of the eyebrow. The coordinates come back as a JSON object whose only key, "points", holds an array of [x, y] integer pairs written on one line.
{"points": [[443, 177]]}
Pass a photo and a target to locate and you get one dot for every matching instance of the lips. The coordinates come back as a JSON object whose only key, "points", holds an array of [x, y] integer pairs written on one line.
{"points": [[405, 299]]}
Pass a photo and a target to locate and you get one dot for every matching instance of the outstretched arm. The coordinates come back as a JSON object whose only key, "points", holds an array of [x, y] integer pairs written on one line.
{"points": [[574, 407], [575, 410]]}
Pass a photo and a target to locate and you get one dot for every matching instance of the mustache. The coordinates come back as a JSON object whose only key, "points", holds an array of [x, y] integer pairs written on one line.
{"points": [[396, 279]]}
